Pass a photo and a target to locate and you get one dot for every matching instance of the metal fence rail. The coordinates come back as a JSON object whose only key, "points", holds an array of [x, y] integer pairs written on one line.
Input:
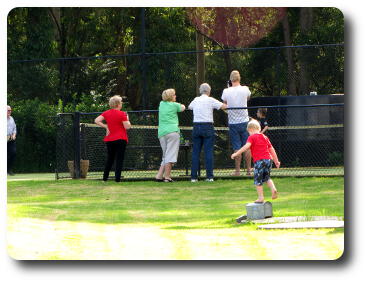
{"points": [[309, 140]]}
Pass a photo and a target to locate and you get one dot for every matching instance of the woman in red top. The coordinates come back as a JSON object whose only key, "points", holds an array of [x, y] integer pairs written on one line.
{"points": [[116, 135], [263, 154]]}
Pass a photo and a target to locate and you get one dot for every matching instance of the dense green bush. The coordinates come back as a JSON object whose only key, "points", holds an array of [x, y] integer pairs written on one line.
{"points": [[35, 135], [36, 127]]}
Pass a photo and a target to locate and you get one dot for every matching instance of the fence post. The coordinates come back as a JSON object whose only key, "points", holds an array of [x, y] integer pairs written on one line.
{"points": [[143, 59], [278, 71], [76, 127], [58, 123]]}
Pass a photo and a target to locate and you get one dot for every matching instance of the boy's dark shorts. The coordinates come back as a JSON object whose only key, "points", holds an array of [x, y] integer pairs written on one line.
{"points": [[262, 170]]}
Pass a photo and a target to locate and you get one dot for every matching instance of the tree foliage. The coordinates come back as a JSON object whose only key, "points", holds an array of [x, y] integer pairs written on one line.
{"points": [[68, 59], [235, 27], [46, 33]]}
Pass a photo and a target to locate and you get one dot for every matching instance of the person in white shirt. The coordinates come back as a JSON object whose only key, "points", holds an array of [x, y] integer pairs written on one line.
{"points": [[11, 136], [203, 131], [237, 96]]}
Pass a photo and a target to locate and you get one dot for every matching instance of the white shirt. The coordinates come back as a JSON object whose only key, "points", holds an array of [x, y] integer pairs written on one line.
{"points": [[237, 96], [12, 128], [202, 107]]}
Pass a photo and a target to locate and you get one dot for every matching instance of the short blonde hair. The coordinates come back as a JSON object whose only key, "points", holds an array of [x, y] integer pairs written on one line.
{"points": [[167, 95], [254, 125], [235, 76], [115, 101]]}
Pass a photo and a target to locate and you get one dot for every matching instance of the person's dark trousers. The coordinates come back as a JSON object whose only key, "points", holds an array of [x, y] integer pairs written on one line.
{"points": [[115, 152], [11, 150], [202, 135]]}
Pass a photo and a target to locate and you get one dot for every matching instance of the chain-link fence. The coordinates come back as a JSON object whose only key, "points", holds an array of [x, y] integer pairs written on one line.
{"points": [[309, 141], [86, 83]]}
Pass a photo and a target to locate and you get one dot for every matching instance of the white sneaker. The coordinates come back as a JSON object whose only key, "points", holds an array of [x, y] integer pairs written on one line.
{"points": [[194, 180], [209, 180]]}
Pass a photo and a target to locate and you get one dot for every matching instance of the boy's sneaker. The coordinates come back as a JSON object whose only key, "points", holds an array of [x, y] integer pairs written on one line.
{"points": [[194, 180], [209, 180]]}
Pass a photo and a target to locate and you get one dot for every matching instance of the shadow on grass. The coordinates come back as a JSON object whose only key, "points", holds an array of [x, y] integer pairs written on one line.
{"points": [[178, 206], [192, 227], [196, 217], [227, 223], [336, 231]]}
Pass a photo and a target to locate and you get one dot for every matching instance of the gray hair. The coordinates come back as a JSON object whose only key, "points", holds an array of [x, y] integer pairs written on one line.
{"points": [[204, 88]]}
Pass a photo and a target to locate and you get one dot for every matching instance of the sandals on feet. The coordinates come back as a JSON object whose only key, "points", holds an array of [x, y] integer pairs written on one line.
{"points": [[166, 180]]}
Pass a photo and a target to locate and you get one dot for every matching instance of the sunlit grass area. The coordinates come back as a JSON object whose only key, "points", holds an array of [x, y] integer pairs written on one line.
{"points": [[89, 219]]}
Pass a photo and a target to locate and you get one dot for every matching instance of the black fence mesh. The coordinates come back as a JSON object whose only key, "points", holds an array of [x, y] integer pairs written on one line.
{"points": [[265, 70], [309, 141], [141, 77], [37, 87], [65, 144]]}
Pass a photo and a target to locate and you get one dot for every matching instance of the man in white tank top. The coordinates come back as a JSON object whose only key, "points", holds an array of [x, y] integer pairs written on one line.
{"points": [[237, 96]]}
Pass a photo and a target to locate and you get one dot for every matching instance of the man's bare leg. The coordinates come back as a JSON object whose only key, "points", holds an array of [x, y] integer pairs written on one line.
{"points": [[237, 165]]}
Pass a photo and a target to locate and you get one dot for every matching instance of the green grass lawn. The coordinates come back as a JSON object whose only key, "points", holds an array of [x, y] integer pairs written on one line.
{"points": [[89, 219], [222, 173]]}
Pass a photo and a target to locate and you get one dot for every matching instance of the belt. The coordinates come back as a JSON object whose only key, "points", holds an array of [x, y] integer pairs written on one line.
{"points": [[203, 123]]}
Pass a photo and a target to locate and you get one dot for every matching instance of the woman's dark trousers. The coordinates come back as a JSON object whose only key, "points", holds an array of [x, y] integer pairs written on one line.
{"points": [[115, 152]]}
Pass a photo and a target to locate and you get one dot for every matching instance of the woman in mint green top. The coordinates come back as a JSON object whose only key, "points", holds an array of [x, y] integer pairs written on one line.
{"points": [[168, 133]]}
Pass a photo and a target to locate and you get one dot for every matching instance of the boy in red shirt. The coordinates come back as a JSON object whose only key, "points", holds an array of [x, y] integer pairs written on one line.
{"points": [[263, 154]]}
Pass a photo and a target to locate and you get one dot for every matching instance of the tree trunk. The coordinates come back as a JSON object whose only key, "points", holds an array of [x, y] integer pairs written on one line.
{"points": [[227, 61], [122, 87], [200, 61], [220, 23], [56, 15], [306, 24], [289, 57]]}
